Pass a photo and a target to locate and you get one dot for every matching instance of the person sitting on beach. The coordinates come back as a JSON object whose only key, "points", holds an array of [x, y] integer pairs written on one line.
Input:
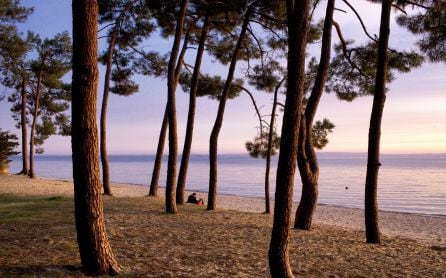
{"points": [[193, 199]]}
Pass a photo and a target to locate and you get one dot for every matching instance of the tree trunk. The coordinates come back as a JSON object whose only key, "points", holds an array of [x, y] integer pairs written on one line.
{"points": [[270, 146], [298, 21], [103, 121], [162, 138], [95, 252], [33, 126], [173, 137], [309, 174], [25, 167], [181, 185], [307, 158], [379, 98], [159, 156], [213, 141]]}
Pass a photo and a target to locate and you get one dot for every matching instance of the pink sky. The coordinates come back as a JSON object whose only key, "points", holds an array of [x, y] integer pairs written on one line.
{"points": [[414, 115]]}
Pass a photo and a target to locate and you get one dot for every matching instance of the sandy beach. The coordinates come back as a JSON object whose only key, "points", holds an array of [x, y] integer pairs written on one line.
{"points": [[424, 228], [414, 245]]}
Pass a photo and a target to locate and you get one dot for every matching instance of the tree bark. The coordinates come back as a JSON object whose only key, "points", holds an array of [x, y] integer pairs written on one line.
{"points": [[103, 121], [181, 185], [159, 156], [33, 126], [171, 108], [379, 98], [213, 141], [298, 24], [153, 191], [95, 252], [25, 167], [270, 146], [307, 158]]}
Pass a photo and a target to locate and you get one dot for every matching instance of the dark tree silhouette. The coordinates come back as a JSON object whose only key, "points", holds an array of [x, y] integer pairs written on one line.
{"points": [[130, 24], [298, 25], [181, 185], [379, 98], [307, 159], [213, 140], [171, 109], [365, 70], [95, 252], [430, 23], [153, 191]]}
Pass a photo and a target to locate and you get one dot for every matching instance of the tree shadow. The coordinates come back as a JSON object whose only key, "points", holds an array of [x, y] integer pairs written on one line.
{"points": [[41, 270]]}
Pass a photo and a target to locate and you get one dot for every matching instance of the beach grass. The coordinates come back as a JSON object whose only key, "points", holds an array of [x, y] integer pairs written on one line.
{"points": [[37, 238]]}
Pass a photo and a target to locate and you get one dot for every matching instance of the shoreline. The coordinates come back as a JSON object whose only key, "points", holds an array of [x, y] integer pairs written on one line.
{"points": [[427, 229], [138, 185]]}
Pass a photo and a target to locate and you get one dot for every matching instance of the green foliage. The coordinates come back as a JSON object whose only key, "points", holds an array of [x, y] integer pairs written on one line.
{"points": [[321, 129], [258, 147], [8, 143], [121, 74], [355, 76], [12, 46], [211, 86], [11, 12], [266, 76], [151, 64], [128, 23], [431, 25], [52, 61]]}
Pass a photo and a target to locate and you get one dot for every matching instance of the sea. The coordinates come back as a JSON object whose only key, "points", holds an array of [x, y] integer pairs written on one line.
{"points": [[412, 183]]}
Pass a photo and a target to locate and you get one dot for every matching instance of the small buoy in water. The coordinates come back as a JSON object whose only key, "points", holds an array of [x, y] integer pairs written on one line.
{"points": [[346, 187]]}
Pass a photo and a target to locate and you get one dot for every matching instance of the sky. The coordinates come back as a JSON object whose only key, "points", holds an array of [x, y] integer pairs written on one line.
{"points": [[413, 122]]}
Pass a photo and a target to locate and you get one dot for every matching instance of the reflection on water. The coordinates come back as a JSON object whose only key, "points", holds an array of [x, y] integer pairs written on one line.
{"points": [[407, 183]]}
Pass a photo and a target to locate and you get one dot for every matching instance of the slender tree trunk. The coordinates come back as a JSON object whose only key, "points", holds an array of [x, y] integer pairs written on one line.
{"points": [[25, 167], [270, 146], [33, 126], [103, 121], [173, 137], [181, 185], [379, 98], [307, 158], [309, 174], [213, 141], [163, 132], [159, 156], [95, 252], [298, 21]]}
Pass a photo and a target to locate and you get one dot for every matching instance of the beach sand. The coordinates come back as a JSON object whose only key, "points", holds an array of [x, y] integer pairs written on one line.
{"points": [[233, 241]]}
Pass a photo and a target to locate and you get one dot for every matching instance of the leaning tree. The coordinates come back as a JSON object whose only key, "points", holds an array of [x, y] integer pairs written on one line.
{"points": [[128, 22], [307, 158], [366, 70]]}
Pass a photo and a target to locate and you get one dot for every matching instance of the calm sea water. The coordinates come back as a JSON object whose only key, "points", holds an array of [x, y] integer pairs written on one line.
{"points": [[414, 183]]}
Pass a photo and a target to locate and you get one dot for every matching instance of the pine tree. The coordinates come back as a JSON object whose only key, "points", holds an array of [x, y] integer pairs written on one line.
{"points": [[49, 96], [430, 24], [128, 22], [12, 51], [306, 158], [298, 23], [95, 252]]}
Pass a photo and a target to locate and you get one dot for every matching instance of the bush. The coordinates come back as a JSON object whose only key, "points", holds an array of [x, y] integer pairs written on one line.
{"points": [[8, 143]]}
